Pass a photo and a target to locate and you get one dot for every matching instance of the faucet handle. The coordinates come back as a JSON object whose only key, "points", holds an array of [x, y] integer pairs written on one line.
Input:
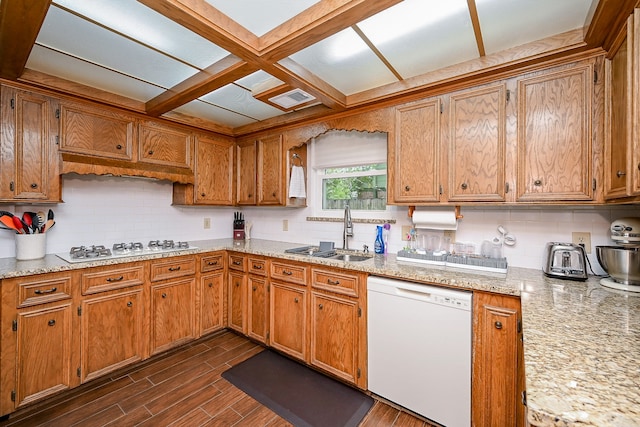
{"points": [[365, 249]]}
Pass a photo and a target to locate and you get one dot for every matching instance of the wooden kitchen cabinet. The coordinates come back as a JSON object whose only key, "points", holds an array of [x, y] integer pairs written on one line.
{"points": [[414, 155], [288, 319], [247, 169], [555, 115], [214, 179], [29, 165], [622, 107], [165, 145], [498, 361], [37, 313], [258, 300], [260, 172], [97, 132], [237, 311], [477, 144], [173, 286], [212, 283]]}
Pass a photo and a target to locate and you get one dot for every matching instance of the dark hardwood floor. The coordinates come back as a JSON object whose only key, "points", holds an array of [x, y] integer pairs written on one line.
{"points": [[182, 387]]}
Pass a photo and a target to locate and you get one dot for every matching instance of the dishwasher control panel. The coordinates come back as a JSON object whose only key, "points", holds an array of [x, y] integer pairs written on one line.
{"points": [[451, 301]]}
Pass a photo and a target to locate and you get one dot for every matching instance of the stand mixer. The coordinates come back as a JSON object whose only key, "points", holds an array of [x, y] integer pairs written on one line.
{"points": [[622, 262]]}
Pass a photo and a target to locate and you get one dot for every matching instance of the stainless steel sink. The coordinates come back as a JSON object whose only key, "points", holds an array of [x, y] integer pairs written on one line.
{"points": [[350, 257]]}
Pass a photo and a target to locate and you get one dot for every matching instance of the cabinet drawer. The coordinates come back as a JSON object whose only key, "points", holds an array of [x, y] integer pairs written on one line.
{"points": [[237, 262], [289, 272], [211, 263], [257, 266], [113, 278], [44, 291], [339, 282], [173, 267]]}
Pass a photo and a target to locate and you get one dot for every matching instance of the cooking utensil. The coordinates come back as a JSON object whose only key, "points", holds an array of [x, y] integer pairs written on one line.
{"points": [[41, 218], [50, 223], [19, 225]]}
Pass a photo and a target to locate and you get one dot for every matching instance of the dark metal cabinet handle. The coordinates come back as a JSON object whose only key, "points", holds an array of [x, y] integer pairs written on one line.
{"points": [[257, 267], [249, 195], [320, 306], [115, 279], [287, 272], [274, 194], [34, 185], [212, 263], [150, 152], [407, 188], [237, 262], [295, 300], [464, 185], [48, 291], [237, 284], [537, 182], [255, 288], [12, 186], [333, 282], [506, 187], [202, 194], [620, 174], [119, 147], [174, 268], [51, 322], [210, 285], [164, 295], [129, 304], [498, 325]]}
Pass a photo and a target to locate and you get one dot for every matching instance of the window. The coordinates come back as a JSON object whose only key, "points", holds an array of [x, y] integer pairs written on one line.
{"points": [[349, 168], [362, 187]]}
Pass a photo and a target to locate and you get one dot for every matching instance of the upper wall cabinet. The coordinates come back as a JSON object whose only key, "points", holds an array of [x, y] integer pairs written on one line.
{"points": [[622, 110], [166, 145], [29, 166], [413, 158], [261, 171], [246, 157], [555, 111], [477, 139], [214, 183]]}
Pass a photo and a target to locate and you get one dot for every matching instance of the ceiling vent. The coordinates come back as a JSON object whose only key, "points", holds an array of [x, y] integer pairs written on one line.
{"points": [[292, 98]]}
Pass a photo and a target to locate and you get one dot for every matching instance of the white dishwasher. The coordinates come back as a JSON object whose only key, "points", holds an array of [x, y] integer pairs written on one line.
{"points": [[420, 348]]}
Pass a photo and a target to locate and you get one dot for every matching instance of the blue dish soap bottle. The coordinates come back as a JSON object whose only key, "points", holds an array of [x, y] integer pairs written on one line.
{"points": [[378, 245]]}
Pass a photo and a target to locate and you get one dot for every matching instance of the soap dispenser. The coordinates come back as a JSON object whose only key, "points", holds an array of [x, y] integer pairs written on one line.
{"points": [[378, 245]]}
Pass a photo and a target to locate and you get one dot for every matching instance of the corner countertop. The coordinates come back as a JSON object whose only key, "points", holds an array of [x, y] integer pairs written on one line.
{"points": [[581, 340]]}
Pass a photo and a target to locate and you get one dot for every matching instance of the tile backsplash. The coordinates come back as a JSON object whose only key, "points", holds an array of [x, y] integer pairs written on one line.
{"points": [[106, 210]]}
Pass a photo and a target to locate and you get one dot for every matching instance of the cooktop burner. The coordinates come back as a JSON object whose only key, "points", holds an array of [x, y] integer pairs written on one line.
{"points": [[119, 250]]}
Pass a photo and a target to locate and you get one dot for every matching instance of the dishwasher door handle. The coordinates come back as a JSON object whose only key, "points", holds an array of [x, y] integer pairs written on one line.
{"points": [[410, 293]]}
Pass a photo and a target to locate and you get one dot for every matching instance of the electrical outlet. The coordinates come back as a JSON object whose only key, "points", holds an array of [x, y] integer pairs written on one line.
{"points": [[406, 230], [207, 223], [285, 225], [451, 235], [582, 238]]}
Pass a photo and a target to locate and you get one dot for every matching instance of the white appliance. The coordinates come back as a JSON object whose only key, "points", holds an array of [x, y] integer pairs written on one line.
{"points": [[419, 340]]}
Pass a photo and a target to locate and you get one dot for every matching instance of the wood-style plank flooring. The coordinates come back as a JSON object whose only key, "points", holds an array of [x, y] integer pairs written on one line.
{"points": [[182, 387]]}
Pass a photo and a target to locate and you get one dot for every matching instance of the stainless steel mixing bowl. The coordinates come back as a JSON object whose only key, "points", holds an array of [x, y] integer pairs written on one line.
{"points": [[622, 263]]}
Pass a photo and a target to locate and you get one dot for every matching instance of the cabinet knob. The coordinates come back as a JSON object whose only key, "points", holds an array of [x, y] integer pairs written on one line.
{"points": [[255, 288], [273, 194], [12, 186], [407, 188], [210, 285], [257, 267], [237, 284], [639, 166], [51, 322], [34, 185], [320, 306], [537, 182], [464, 185], [620, 174], [164, 295], [119, 147], [129, 304], [202, 194], [150, 152], [498, 325], [237, 262], [295, 300], [249, 195], [212, 263]]}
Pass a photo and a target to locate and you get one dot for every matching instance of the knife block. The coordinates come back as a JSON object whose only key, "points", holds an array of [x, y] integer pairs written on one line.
{"points": [[238, 230]]}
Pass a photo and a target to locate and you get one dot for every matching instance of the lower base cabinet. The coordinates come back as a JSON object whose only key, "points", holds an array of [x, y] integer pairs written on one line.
{"points": [[212, 302], [172, 314], [288, 319], [111, 332]]}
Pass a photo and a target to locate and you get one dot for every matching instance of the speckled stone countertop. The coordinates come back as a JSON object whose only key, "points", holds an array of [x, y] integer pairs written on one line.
{"points": [[581, 340]]}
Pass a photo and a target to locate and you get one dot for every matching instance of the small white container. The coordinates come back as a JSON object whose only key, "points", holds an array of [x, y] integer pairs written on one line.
{"points": [[31, 246]]}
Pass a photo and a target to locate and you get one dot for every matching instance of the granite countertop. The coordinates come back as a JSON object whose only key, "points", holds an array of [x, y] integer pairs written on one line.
{"points": [[581, 340]]}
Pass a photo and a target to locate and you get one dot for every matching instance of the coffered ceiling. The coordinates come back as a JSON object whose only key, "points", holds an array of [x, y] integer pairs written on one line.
{"points": [[241, 66]]}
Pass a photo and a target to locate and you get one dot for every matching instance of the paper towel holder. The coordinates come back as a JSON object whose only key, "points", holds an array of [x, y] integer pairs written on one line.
{"points": [[457, 210]]}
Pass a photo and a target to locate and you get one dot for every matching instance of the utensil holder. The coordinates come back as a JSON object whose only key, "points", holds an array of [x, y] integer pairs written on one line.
{"points": [[30, 246]]}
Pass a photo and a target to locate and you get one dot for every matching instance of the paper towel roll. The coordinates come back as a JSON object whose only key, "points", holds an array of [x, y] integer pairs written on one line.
{"points": [[435, 219]]}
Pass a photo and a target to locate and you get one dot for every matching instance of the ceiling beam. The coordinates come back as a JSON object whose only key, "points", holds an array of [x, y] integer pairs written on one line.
{"points": [[475, 21], [223, 72], [608, 19], [20, 23]]}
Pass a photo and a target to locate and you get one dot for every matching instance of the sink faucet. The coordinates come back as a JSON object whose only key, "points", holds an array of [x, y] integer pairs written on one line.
{"points": [[347, 228]]}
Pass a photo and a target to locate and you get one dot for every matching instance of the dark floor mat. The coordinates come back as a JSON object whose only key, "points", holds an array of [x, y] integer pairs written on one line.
{"points": [[298, 394]]}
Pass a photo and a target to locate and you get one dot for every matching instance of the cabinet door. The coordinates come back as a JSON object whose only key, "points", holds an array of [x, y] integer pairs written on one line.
{"points": [[288, 320], [497, 361], [270, 171], [212, 302], [111, 335], [214, 172], [172, 314], [44, 351], [90, 131], [246, 174], [29, 161], [334, 335], [258, 308], [477, 128], [554, 135], [237, 301], [164, 145], [414, 170]]}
